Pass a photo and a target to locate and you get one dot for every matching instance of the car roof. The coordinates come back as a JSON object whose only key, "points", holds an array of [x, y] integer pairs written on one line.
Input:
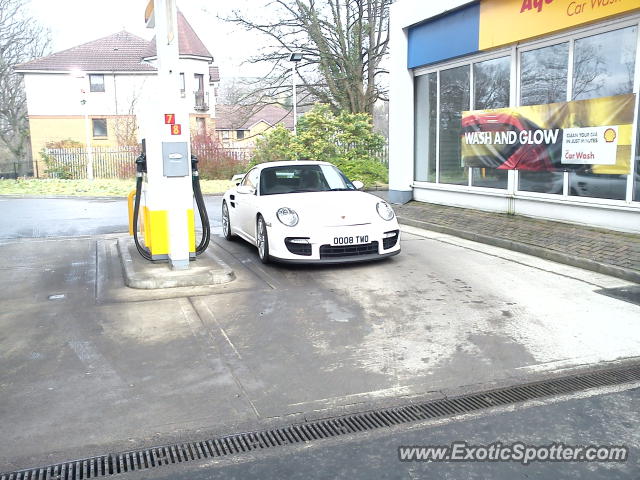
{"points": [[287, 163]]}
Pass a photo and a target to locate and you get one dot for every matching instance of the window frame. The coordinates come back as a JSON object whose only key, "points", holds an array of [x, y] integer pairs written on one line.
{"points": [[93, 127], [466, 61], [514, 52], [183, 84], [91, 85]]}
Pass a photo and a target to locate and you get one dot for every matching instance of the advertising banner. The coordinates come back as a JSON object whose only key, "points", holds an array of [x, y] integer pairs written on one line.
{"points": [[585, 135], [507, 21]]}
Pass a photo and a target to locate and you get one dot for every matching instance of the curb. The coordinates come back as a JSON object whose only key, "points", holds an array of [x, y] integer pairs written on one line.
{"points": [[170, 279], [580, 262]]}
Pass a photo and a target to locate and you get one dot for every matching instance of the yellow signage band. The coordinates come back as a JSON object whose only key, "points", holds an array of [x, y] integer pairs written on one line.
{"points": [[503, 22]]}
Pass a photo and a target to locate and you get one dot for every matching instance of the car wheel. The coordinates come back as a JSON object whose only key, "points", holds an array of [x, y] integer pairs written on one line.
{"points": [[226, 222], [262, 241]]}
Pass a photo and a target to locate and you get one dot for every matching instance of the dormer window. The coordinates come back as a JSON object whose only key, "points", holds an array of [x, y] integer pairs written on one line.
{"points": [[96, 83]]}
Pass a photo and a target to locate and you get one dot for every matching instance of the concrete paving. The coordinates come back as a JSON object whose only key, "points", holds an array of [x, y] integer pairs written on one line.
{"points": [[141, 273], [88, 365], [605, 251]]}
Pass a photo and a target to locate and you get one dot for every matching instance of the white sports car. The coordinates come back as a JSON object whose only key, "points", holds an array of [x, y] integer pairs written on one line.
{"points": [[307, 212]]}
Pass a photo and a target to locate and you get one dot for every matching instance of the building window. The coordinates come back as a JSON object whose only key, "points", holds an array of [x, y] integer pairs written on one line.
{"points": [[99, 127], [543, 75], [426, 122], [454, 99], [225, 134], [96, 83], [603, 65], [491, 89], [201, 124], [183, 88], [199, 79], [240, 134], [543, 79]]}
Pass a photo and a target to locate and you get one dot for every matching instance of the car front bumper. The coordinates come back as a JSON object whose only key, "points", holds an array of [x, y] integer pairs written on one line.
{"points": [[329, 261], [320, 246]]}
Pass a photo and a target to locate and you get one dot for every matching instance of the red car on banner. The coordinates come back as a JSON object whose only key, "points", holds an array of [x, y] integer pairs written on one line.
{"points": [[510, 156]]}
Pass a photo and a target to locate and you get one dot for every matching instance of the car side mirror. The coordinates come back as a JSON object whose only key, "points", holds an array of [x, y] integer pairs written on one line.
{"points": [[358, 184], [237, 178], [246, 189]]}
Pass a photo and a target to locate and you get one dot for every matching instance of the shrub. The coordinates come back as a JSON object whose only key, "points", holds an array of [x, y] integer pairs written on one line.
{"points": [[275, 146], [346, 139], [214, 161], [57, 169]]}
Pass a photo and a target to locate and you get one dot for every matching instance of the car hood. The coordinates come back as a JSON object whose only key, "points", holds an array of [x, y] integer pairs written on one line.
{"points": [[328, 208]]}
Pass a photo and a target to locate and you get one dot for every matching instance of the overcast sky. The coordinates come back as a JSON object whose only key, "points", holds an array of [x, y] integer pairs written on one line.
{"points": [[73, 22]]}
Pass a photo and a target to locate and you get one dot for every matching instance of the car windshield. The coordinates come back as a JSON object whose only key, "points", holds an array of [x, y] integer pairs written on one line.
{"points": [[303, 178]]}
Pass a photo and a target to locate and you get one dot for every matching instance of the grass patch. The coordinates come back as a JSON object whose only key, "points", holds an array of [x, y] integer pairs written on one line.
{"points": [[87, 188]]}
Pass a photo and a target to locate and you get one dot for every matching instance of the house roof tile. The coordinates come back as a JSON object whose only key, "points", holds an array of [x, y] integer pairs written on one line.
{"points": [[120, 52], [233, 117]]}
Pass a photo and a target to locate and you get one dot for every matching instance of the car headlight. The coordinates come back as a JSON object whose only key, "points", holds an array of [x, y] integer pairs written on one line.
{"points": [[385, 211], [287, 216]]}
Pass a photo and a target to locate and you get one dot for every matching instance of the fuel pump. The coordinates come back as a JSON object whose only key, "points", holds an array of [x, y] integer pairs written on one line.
{"points": [[141, 170]]}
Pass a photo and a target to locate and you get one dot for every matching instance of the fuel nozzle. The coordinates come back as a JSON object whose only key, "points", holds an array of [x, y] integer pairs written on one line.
{"points": [[141, 164], [141, 160], [194, 165]]}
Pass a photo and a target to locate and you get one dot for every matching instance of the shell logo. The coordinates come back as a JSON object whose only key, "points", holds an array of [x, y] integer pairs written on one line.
{"points": [[609, 135]]}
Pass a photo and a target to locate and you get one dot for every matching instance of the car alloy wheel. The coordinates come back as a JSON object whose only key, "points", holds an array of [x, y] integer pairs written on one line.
{"points": [[226, 223], [262, 241]]}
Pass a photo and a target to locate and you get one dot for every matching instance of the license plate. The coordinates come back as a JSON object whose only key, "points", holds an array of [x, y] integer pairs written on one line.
{"points": [[351, 240]]}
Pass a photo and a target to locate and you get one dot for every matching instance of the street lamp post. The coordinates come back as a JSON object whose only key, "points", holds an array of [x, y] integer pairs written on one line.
{"points": [[295, 57]]}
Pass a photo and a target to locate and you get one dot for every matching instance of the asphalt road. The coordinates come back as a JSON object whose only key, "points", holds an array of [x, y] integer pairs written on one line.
{"points": [[68, 217], [602, 419], [88, 366]]}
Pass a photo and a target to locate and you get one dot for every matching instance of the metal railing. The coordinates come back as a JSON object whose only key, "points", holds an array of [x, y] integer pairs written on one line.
{"points": [[201, 101], [71, 163], [119, 162]]}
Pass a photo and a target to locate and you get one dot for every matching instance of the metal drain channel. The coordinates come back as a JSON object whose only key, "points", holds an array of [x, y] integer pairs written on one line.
{"points": [[119, 463]]}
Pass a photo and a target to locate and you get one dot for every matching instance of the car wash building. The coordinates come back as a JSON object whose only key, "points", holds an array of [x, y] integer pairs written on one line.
{"points": [[519, 106]]}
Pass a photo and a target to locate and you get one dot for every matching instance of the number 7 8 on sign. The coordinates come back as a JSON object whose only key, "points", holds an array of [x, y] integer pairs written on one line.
{"points": [[170, 119]]}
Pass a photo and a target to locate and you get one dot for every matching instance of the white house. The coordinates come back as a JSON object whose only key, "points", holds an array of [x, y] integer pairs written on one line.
{"points": [[95, 88]]}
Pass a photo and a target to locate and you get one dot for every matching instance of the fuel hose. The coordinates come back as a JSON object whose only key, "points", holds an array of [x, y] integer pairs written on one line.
{"points": [[202, 209], [141, 168]]}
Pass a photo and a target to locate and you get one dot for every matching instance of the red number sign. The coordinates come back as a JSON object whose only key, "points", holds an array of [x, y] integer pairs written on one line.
{"points": [[176, 129], [169, 118]]}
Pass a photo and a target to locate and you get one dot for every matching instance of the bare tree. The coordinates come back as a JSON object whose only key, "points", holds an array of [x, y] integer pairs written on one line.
{"points": [[343, 43], [21, 39]]}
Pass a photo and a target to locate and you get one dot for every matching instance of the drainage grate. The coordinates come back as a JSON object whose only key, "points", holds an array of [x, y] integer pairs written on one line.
{"points": [[119, 463]]}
